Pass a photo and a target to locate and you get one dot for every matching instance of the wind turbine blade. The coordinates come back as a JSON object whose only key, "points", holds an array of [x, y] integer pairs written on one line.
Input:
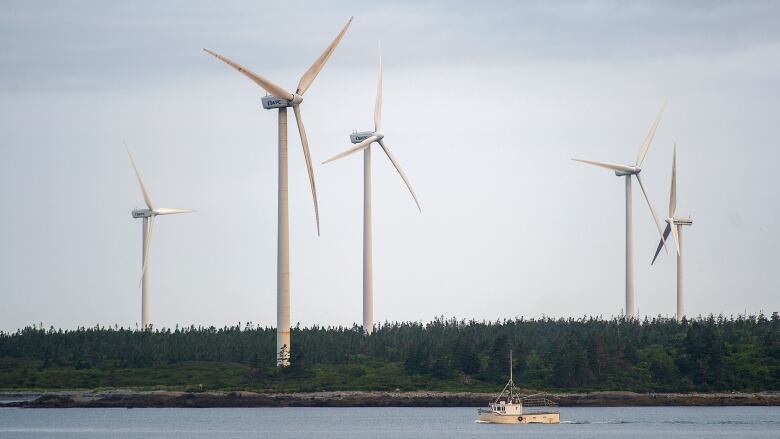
{"points": [[652, 210], [612, 166], [359, 147], [309, 169], [147, 246], [378, 104], [640, 157], [171, 210], [673, 191], [147, 200], [315, 68], [676, 238], [400, 172], [267, 85], [661, 243]]}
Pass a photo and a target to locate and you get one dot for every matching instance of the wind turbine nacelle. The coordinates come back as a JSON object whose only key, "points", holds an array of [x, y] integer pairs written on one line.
{"points": [[634, 171], [142, 213], [685, 221], [361, 136], [271, 102]]}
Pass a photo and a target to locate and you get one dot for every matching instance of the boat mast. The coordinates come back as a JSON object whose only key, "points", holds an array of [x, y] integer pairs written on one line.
{"points": [[511, 383]]}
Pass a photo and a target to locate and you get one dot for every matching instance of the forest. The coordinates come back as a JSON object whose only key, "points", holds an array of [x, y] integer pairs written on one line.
{"points": [[713, 353]]}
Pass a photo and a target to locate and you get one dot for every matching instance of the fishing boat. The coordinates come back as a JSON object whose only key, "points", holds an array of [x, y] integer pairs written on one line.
{"points": [[510, 408]]}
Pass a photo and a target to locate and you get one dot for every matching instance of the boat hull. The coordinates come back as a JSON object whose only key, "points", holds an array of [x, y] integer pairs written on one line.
{"points": [[525, 418]]}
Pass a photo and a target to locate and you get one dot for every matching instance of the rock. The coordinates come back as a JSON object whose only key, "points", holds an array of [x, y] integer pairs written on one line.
{"points": [[130, 399]]}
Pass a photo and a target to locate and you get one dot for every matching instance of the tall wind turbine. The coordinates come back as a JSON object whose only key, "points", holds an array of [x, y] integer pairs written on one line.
{"points": [[281, 99], [674, 225], [363, 141], [148, 216], [628, 171]]}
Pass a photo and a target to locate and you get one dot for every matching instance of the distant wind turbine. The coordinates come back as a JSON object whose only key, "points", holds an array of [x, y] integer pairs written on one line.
{"points": [[363, 141], [148, 216], [674, 225], [282, 99], [628, 171]]}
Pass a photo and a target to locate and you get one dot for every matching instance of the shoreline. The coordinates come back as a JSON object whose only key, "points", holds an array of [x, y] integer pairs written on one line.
{"points": [[121, 398]]}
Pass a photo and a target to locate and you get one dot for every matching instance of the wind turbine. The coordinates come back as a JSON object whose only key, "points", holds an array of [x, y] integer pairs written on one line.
{"points": [[628, 171], [363, 141], [674, 225], [281, 99], [148, 216]]}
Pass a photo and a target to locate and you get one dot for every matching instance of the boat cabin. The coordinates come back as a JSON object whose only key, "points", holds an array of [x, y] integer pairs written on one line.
{"points": [[501, 407]]}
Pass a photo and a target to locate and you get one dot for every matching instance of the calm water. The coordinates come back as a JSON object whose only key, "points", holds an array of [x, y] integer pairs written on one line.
{"points": [[347, 423]]}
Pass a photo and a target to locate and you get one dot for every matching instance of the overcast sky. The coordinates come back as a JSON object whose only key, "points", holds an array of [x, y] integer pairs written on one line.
{"points": [[485, 103]]}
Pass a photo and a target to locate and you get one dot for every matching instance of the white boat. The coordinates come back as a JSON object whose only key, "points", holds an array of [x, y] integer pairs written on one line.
{"points": [[510, 408]]}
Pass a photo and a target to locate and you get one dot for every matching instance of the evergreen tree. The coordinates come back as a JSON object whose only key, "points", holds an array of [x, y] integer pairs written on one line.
{"points": [[466, 358], [498, 362], [713, 353]]}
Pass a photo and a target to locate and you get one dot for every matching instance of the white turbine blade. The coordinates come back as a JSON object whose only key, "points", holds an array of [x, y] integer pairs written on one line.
{"points": [[315, 68], [661, 243], [652, 210], [267, 85], [147, 246], [147, 200], [400, 172], [359, 147], [612, 166], [309, 169], [676, 238], [378, 104], [171, 210], [673, 191], [640, 157]]}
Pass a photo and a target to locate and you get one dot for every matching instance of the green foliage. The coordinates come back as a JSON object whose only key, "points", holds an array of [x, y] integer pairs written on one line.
{"points": [[709, 354]]}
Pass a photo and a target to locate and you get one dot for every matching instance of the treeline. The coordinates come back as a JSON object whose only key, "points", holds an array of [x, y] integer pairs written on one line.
{"points": [[705, 354]]}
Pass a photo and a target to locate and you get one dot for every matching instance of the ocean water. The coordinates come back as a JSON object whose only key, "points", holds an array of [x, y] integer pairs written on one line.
{"points": [[348, 423]]}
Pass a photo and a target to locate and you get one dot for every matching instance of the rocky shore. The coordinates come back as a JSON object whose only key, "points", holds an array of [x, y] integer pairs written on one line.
{"points": [[137, 399]]}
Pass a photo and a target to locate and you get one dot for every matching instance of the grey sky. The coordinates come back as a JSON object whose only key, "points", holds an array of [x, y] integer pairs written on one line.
{"points": [[485, 104]]}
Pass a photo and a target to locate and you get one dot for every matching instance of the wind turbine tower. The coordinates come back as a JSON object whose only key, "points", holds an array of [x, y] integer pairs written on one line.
{"points": [[674, 224], [281, 99], [148, 216], [363, 141], [629, 171]]}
